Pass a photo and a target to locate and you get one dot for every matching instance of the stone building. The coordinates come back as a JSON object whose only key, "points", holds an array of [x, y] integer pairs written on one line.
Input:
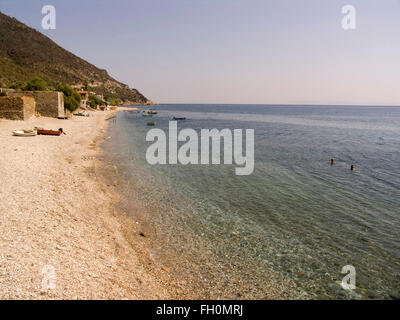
{"points": [[48, 103], [17, 108]]}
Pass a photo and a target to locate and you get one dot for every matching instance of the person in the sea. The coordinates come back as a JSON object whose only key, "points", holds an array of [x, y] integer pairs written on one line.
{"points": [[352, 168], [333, 161]]}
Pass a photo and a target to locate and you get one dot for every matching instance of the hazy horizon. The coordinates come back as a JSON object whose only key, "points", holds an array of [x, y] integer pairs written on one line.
{"points": [[283, 104], [234, 52]]}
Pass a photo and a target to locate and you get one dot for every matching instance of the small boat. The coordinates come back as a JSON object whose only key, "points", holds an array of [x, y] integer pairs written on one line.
{"points": [[150, 112], [179, 118], [44, 132], [151, 124], [24, 133], [81, 114]]}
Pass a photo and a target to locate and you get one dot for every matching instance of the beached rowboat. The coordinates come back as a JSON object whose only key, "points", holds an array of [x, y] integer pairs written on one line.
{"points": [[49, 132], [24, 133], [81, 114]]}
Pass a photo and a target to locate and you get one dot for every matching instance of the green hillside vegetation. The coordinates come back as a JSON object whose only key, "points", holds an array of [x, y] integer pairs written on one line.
{"points": [[26, 53], [36, 84], [112, 101], [72, 99], [93, 101]]}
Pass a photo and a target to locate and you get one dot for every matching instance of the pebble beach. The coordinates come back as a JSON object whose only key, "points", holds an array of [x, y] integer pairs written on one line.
{"points": [[57, 213]]}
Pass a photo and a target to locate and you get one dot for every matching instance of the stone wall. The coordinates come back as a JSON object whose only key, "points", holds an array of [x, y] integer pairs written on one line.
{"points": [[4, 92], [17, 108], [48, 103]]}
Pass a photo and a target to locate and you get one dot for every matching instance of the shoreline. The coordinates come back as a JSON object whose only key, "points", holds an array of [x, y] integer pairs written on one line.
{"points": [[58, 210], [177, 237]]}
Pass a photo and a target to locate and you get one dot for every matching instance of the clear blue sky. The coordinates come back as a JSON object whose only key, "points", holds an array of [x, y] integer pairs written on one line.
{"points": [[233, 51]]}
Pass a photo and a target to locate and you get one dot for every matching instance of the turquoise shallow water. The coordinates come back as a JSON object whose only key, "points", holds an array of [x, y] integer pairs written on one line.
{"points": [[295, 222]]}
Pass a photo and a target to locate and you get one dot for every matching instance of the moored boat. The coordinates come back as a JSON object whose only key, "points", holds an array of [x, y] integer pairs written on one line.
{"points": [[149, 112]]}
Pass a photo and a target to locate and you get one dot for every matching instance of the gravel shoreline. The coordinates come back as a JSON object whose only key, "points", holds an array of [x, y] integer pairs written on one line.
{"points": [[60, 236]]}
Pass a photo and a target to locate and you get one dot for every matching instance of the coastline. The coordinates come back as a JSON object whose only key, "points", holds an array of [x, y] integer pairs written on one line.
{"points": [[58, 209], [177, 237]]}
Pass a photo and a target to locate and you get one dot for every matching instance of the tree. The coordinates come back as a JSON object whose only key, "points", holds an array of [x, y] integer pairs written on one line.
{"points": [[72, 99], [112, 101], [36, 84], [95, 101]]}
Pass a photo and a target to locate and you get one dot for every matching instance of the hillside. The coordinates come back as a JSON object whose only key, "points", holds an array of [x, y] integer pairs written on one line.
{"points": [[26, 53]]}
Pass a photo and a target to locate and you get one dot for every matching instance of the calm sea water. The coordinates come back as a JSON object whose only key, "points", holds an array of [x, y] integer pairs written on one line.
{"points": [[289, 228]]}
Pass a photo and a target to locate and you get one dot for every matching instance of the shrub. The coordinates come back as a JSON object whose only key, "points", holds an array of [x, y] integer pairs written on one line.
{"points": [[114, 101], [95, 101], [18, 85], [36, 84], [72, 99]]}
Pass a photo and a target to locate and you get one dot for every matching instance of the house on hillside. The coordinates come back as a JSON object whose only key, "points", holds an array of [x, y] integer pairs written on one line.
{"points": [[84, 98]]}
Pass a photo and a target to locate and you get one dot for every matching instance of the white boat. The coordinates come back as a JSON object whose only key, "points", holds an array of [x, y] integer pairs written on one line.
{"points": [[24, 133]]}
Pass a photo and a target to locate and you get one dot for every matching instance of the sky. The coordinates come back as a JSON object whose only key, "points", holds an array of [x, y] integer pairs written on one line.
{"points": [[233, 51]]}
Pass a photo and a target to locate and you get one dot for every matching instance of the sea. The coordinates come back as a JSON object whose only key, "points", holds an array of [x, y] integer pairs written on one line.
{"points": [[292, 228]]}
